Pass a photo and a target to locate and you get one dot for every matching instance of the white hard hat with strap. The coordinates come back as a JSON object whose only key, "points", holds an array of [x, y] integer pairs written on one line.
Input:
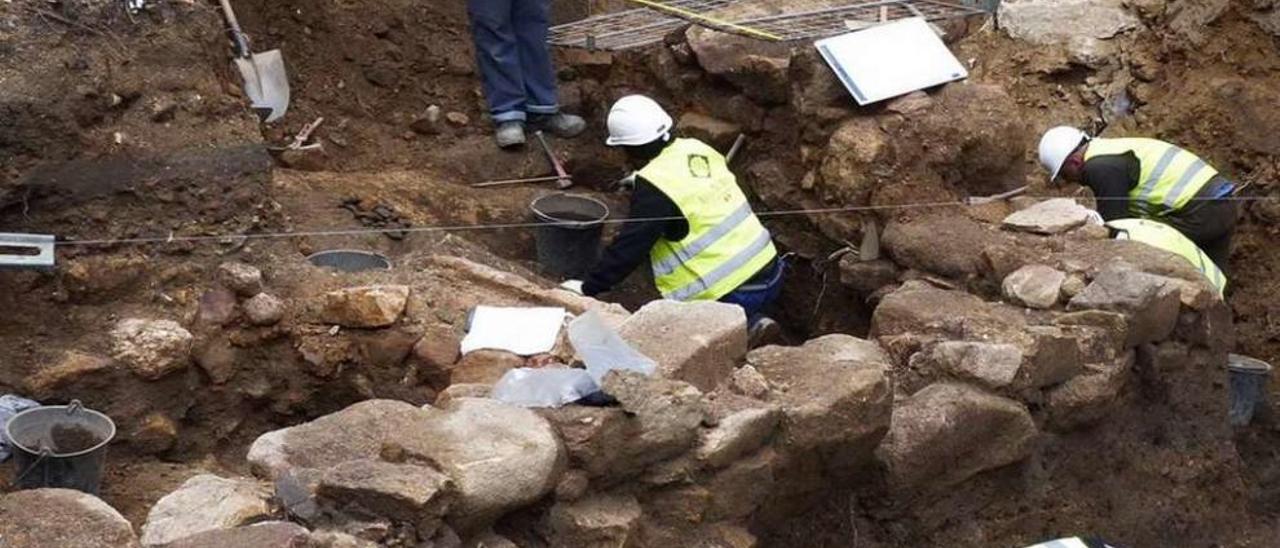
{"points": [[1056, 146], [637, 120]]}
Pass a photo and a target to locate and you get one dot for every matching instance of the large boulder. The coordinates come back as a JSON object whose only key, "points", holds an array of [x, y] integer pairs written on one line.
{"points": [[947, 433], [712, 131], [666, 415], [597, 521], [914, 244], [499, 457], [1046, 22], [758, 68], [151, 348], [61, 518], [920, 310], [1089, 398], [1151, 303], [1035, 286], [1047, 357], [406, 493], [837, 393], [1053, 216], [989, 364], [696, 342], [270, 534], [917, 316], [369, 306], [738, 434], [594, 438], [205, 503]]}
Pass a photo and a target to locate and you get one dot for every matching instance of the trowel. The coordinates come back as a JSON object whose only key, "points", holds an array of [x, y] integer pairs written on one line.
{"points": [[265, 81]]}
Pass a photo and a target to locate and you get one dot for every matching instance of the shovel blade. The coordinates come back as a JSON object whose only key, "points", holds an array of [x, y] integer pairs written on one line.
{"points": [[266, 84]]}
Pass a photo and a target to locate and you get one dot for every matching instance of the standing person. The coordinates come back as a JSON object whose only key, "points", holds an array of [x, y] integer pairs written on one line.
{"points": [[1148, 179], [515, 69], [691, 221]]}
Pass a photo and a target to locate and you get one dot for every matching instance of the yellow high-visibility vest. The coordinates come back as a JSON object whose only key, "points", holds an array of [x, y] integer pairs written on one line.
{"points": [[1170, 177], [726, 244], [1163, 236]]}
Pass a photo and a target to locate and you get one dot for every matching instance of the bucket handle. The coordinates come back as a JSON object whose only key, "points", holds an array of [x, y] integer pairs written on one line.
{"points": [[74, 407], [45, 452]]}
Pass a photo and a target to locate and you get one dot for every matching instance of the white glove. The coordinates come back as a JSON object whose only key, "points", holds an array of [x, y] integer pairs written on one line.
{"points": [[573, 286]]}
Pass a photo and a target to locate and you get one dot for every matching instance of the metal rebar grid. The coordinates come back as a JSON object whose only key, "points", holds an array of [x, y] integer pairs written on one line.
{"points": [[628, 29], [809, 19], [827, 22]]}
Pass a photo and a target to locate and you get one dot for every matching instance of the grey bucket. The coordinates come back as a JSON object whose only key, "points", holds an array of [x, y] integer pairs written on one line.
{"points": [[350, 260], [40, 462], [568, 242], [1248, 386]]}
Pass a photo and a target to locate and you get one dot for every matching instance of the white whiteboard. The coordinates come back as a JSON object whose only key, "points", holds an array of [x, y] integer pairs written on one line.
{"points": [[890, 60]]}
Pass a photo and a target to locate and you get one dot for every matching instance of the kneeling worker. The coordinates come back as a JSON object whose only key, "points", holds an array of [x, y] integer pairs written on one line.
{"points": [[1165, 237], [689, 218], [1149, 179]]}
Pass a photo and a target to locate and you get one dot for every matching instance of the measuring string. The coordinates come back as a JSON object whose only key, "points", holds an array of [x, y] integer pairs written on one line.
{"points": [[171, 238]]}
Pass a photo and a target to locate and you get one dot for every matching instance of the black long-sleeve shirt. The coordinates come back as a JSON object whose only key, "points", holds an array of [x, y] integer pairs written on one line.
{"points": [[631, 246], [1113, 176]]}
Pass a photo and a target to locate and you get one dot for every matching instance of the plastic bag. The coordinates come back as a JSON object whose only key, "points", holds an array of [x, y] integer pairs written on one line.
{"points": [[11, 405], [603, 350], [527, 387]]}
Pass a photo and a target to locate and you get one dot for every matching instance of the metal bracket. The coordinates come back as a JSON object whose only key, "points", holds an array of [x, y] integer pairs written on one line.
{"points": [[37, 251]]}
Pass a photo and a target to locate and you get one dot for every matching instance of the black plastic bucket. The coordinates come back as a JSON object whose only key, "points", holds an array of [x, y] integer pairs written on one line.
{"points": [[569, 241], [350, 260], [59, 446], [1248, 386]]}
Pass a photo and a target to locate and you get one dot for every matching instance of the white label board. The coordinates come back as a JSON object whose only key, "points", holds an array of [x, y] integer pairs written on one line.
{"points": [[890, 60]]}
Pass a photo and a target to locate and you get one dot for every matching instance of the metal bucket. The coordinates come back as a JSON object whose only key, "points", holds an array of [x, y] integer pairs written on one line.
{"points": [[350, 260], [1248, 386], [61, 446], [568, 243]]}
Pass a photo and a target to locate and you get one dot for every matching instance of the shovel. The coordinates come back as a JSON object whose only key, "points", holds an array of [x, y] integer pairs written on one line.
{"points": [[265, 81]]}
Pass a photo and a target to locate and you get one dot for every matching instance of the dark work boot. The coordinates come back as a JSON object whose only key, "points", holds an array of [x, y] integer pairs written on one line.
{"points": [[509, 134], [565, 126]]}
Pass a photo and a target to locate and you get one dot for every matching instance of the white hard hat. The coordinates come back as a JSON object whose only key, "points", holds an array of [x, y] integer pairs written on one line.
{"points": [[1056, 145], [637, 120]]}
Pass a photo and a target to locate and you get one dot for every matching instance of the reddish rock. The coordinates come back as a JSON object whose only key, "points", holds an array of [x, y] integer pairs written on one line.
{"points": [[217, 307], [484, 367]]}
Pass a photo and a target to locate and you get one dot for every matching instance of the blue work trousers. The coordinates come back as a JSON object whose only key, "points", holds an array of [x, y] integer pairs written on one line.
{"points": [[513, 57], [759, 292]]}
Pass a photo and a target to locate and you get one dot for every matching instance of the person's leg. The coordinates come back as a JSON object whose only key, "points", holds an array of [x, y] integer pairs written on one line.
{"points": [[530, 20], [755, 298], [498, 58]]}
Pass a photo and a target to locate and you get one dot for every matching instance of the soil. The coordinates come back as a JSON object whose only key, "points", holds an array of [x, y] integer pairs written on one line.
{"points": [[134, 128], [72, 438]]}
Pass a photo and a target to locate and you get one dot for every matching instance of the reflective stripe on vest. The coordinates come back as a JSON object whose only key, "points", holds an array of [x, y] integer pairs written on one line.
{"points": [[1163, 236], [1169, 177], [1073, 542], [726, 244]]}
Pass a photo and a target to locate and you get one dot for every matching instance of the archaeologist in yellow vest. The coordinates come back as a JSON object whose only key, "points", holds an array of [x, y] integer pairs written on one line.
{"points": [[688, 218], [1149, 179], [1163, 236]]}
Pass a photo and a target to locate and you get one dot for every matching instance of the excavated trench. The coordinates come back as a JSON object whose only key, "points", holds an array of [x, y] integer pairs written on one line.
{"points": [[171, 150]]}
